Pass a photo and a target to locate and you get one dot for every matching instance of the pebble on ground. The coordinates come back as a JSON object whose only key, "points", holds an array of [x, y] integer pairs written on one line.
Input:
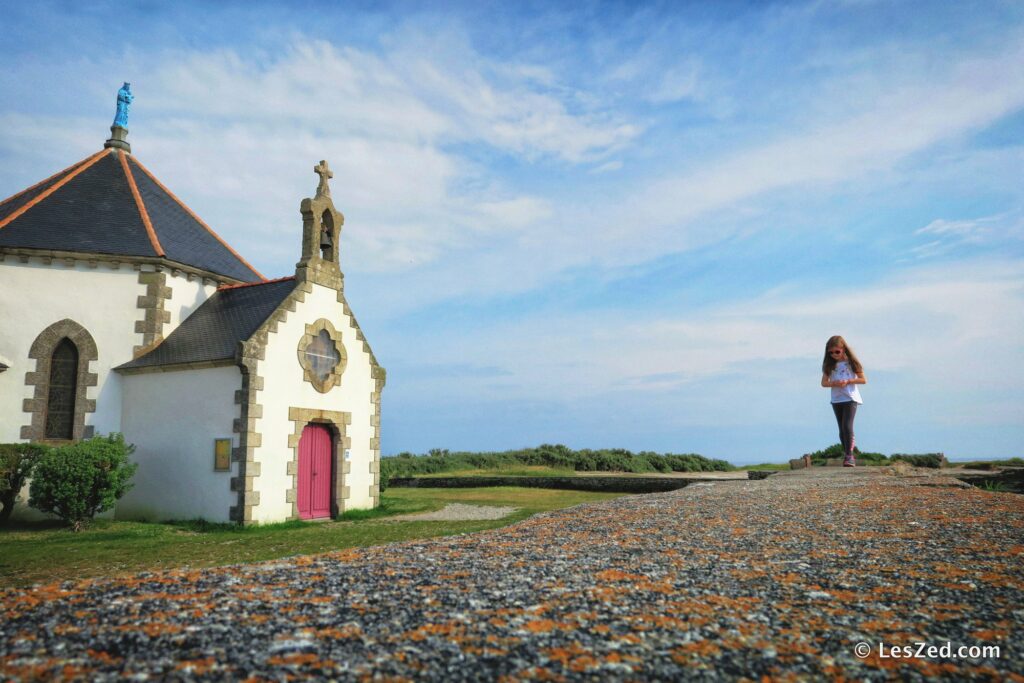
{"points": [[779, 578]]}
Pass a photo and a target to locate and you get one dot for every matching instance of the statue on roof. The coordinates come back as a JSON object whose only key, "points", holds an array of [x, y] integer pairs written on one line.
{"points": [[124, 102]]}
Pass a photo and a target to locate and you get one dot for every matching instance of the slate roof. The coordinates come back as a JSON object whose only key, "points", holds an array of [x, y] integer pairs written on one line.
{"points": [[109, 203], [213, 331]]}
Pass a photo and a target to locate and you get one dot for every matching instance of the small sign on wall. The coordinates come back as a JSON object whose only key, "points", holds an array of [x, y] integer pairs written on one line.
{"points": [[221, 455]]}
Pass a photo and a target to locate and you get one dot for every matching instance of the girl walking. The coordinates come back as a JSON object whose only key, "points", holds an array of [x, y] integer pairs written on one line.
{"points": [[842, 372]]}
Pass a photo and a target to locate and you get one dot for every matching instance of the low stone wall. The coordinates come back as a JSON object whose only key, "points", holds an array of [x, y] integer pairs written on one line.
{"points": [[599, 484], [1010, 479], [801, 462]]}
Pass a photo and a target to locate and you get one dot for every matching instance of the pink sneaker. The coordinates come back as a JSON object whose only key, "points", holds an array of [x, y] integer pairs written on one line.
{"points": [[848, 461]]}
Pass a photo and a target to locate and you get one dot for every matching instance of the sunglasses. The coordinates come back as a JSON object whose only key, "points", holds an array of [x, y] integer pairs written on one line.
{"points": [[836, 352]]}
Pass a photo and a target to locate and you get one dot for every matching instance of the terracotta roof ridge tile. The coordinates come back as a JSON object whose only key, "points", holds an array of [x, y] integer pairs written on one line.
{"points": [[223, 288], [143, 213], [197, 219], [81, 166]]}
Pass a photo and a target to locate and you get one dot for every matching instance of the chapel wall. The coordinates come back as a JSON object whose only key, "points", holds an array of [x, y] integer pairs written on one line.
{"points": [[287, 400], [101, 297], [174, 418], [187, 294]]}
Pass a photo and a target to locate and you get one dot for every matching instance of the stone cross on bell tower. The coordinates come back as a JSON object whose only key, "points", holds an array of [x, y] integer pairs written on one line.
{"points": [[321, 229], [325, 173]]}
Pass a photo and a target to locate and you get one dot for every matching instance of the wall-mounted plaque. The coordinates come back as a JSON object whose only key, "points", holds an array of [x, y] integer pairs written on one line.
{"points": [[221, 455]]}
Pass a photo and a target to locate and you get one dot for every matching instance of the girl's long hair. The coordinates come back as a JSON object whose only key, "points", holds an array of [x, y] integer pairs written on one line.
{"points": [[829, 364]]}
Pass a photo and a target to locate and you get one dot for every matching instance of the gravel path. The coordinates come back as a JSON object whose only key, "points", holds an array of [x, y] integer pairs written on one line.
{"points": [[781, 577], [459, 511]]}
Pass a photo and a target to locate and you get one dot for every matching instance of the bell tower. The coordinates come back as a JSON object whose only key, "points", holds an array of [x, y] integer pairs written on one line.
{"points": [[321, 230]]}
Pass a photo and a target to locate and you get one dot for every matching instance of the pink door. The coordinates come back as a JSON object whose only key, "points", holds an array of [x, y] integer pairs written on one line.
{"points": [[314, 494]]}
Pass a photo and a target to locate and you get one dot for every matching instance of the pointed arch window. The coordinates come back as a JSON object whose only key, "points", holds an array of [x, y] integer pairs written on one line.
{"points": [[60, 402], [59, 383]]}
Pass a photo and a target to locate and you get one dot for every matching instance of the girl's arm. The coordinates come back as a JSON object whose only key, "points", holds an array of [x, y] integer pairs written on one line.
{"points": [[860, 379], [825, 381]]}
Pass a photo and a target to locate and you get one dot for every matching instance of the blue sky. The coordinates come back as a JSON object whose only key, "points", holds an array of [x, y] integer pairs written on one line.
{"points": [[598, 224]]}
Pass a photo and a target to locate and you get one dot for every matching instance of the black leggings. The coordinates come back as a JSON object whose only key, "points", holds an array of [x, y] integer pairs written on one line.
{"points": [[845, 412]]}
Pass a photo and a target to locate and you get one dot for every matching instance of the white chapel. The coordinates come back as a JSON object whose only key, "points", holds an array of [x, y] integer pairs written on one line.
{"points": [[248, 399]]}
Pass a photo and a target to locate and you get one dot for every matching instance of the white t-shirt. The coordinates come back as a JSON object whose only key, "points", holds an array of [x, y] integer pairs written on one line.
{"points": [[848, 393]]}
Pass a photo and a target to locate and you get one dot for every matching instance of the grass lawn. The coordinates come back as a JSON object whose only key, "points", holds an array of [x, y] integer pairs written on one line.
{"points": [[45, 551]]}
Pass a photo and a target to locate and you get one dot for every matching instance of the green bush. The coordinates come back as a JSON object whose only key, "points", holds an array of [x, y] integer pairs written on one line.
{"points": [[833, 451], [934, 460], [836, 451], [872, 458], [17, 460], [75, 482], [554, 456], [920, 460]]}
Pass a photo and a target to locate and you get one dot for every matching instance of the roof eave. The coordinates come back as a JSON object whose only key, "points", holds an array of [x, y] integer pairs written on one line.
{"points": [[93, 257], [175, 367]]}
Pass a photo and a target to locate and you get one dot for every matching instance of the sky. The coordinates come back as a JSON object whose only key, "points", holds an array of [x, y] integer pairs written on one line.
{"points": [[606, 225]]}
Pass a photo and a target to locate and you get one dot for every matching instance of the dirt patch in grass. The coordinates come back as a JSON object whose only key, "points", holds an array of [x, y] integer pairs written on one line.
{"points": [[459, 511]]}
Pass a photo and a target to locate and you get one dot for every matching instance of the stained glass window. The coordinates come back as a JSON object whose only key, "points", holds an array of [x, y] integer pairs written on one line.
{"points": [[60, 402], [322, 355]]}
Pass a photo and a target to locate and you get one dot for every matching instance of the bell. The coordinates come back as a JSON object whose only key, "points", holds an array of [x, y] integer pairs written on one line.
{"points": [[325, 240]]}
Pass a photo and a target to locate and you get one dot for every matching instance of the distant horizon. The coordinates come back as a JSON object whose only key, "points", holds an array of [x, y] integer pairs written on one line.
{"points": [[600, 224], [753, 462]]}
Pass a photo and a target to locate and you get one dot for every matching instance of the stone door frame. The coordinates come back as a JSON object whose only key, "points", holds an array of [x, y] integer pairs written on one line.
{"points": [[336, 422]]}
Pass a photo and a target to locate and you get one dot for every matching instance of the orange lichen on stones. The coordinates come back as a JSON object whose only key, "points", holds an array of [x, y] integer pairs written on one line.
{"points": [[103, 657], [691, 653], [196, 666], [342, 633], [299, 659], [990, 634], [536, 673], [541, 625], [448, 630], [617, 575]]}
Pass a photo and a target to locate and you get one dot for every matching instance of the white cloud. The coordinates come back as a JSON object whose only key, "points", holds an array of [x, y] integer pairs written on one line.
{"points": [[512, 213], [968, 230], [235, 135], [947, 235], [930, 338], [608, 167], [678, 82], [900, 123], [384, 122]]}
